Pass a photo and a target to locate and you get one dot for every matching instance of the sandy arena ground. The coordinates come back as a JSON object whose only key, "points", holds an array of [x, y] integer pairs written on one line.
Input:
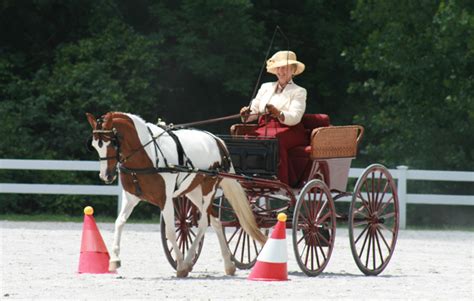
{"points": [[40, 260]]}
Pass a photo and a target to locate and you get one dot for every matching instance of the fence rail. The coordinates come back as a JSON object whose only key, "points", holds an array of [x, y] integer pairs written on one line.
{"points": [[402, 174], [14, 164]]}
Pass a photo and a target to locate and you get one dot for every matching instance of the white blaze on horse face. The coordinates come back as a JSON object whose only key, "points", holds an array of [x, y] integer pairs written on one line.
{"points": [[102, 151]]}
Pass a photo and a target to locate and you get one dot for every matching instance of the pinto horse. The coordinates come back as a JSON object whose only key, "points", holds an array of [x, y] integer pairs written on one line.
{"points": [[157, 165]]}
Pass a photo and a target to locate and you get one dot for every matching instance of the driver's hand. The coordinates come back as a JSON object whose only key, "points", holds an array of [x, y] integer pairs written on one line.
{"points": [[274, 112], [245, 112]]}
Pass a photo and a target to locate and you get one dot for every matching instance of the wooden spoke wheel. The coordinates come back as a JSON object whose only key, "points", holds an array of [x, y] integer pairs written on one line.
{"points": [[243, 248], [314, 227], [186, 218], [373, 219]]}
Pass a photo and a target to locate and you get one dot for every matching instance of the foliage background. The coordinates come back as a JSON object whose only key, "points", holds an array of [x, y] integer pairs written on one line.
{"points": [[403, 69]]}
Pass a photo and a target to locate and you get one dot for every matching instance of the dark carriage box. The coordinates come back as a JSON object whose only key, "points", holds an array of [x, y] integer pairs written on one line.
{"points": [[252, 156]]}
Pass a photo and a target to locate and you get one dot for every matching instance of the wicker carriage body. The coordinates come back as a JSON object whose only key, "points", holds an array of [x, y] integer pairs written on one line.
{"points": [[332, 151]]}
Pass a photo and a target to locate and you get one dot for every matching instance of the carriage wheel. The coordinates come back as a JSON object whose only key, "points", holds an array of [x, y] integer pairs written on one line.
{"points": [[186, 218], [314, 227], [243, 248], [373, 219]]}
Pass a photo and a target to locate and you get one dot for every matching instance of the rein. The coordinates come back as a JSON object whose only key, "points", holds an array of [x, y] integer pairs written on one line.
{"points": [[207, 121]]}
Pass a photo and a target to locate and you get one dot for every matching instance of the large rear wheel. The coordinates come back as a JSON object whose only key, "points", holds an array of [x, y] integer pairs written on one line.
{"points": [[186, 218], [373, 219], [314, 227]]}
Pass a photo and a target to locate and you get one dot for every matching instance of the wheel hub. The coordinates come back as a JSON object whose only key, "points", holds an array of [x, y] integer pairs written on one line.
{"points": [[374, 219]]}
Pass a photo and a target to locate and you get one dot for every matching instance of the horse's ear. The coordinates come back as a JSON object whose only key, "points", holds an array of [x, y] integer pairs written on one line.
{"points": [[91, 120], [108, 118]]}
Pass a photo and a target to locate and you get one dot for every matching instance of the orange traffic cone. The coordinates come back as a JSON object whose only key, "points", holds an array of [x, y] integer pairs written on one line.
{"points": [[271, 263], [94, 258]]}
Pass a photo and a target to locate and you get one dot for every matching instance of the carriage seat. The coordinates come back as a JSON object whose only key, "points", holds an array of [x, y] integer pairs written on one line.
{"points": [[313, 121], [310, 122], [243, 129], [299, 157], [324, 142]]}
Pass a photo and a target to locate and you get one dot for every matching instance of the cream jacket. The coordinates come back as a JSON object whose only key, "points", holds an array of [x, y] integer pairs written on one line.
{"points": [[291, 101]]}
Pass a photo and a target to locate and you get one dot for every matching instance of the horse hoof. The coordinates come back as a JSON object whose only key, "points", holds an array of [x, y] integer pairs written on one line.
{"points": [[114, 265], [182, 273], [230, 270]]}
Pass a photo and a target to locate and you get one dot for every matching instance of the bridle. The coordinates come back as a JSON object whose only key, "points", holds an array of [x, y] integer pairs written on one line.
{"points": [[114, 140]]}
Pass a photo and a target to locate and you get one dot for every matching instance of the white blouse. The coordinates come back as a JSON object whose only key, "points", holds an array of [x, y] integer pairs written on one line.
{"points": [[291, 101]]}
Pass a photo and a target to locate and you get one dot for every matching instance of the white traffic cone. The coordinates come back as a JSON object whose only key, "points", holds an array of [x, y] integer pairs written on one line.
{"points": [[272, 261]]}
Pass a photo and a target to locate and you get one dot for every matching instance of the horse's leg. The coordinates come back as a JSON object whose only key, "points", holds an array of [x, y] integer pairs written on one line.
{"points": [[129, 202], [168, 216], [229, 265], [201, 203]]}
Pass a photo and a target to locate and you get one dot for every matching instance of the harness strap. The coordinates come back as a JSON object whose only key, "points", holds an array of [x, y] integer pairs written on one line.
{"points": [[138, 189], [157, 161], [179, 147], [138, 171], [169, 169], [226, 161]]}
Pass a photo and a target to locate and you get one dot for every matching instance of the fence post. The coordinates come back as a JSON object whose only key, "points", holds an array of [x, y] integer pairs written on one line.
{"points": [[402, 194]]}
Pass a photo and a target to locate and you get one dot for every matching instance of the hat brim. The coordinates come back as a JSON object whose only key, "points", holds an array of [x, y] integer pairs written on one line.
{"points": [[299, 66]]}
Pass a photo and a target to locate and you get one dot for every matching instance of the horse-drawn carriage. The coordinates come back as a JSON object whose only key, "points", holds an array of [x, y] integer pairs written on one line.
{"points": [[321, 178]]}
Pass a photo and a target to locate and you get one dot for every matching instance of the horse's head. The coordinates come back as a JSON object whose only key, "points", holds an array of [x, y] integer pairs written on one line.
{"points": [[106, 142]]}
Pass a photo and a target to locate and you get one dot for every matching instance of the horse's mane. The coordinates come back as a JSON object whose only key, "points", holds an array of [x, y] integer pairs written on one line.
{"points": [[141, 126], [138, 122]]}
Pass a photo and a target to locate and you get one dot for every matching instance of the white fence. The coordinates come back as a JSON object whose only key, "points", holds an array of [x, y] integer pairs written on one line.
{"points": [[402, 174], [114, 190]]}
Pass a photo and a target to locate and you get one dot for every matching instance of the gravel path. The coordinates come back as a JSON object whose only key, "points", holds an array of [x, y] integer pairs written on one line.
{"points": [[39, 260]]}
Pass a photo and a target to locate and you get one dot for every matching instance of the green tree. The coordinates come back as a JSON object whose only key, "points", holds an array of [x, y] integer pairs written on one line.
{"points": [[416, 59], [111, 67], [213, 50], [113, 70]]}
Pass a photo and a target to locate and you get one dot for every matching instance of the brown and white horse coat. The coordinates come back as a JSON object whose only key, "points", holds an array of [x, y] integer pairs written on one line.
{"points": [[129, 139]]}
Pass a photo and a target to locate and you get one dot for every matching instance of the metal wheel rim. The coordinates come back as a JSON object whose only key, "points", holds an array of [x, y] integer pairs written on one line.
{"points": [[184, 225], [374, 220], [312, 249]]}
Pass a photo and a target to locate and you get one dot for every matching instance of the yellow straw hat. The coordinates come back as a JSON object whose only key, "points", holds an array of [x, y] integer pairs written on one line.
{"points": [[283, 58]]}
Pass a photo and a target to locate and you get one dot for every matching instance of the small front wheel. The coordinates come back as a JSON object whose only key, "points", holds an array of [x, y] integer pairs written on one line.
{"points": [[373, 219], [314, 227]]}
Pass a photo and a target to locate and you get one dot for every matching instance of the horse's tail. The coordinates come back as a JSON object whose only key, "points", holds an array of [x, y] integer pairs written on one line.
{"points": [[237, 198]]}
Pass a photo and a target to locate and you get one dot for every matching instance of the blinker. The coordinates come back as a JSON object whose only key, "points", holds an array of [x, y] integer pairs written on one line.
{"points": [[89, 146]]}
